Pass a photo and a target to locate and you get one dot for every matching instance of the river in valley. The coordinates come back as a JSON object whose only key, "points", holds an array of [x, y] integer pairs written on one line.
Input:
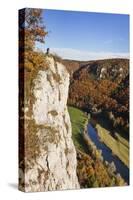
{"points": [[121, 168]]}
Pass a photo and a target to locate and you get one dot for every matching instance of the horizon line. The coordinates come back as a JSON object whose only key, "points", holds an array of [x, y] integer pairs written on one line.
{"points": [[81, 55]]}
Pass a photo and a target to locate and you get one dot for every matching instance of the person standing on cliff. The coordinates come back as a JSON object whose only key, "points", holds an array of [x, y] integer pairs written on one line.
{"points": [[47, 53]]}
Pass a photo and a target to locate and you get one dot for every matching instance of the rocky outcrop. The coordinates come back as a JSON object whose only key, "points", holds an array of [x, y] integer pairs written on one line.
{"points": [[53, 165], [111, 69]]}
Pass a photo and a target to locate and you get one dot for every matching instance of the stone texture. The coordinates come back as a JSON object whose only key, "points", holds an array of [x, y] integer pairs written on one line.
{"points": [[54, 168]]}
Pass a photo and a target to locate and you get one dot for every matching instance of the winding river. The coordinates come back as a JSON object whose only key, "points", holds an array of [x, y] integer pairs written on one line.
{"points": [[121, 168]]}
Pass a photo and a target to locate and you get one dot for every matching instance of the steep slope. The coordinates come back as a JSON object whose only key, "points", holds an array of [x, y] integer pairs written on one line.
{"points": [[93, 83], [121, 96], [71, 65], [103, 86], [111, 69], [50, 157]]}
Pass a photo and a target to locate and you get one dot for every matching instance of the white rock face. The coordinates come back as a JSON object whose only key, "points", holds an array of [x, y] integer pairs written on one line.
{"points": [[55, 166]]}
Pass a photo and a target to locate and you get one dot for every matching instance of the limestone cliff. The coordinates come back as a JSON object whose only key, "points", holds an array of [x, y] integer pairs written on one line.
{"points": [[50, 156]]}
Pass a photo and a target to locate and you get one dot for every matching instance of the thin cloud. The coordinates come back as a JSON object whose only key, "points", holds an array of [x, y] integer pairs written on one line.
{"points": [[108, 42], [74, 54]]}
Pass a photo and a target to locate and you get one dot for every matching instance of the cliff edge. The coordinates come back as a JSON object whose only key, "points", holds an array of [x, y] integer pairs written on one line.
{"points": [[50, 156]]}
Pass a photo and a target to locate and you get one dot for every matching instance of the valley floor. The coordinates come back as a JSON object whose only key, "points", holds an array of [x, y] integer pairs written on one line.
{"points": [[78, 119], [118, 145], [96, 173]]}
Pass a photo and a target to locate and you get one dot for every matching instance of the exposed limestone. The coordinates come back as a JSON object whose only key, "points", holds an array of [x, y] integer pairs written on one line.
{"points": [[54, 166]]}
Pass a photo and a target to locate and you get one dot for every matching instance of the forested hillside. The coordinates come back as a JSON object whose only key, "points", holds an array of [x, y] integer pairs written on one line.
{"points": [[103, 86]]}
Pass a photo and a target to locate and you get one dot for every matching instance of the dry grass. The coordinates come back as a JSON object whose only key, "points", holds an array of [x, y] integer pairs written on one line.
{"points": [[118, 145]]}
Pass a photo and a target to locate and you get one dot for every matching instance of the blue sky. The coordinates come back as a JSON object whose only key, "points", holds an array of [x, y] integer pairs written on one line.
{"points": [[85, 35]]}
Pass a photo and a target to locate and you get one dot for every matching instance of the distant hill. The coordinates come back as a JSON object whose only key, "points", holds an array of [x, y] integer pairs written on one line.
{"points": [[71, 65], [113, 69]]}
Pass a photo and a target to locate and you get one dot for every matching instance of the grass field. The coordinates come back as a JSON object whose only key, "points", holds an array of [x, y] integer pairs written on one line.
{"points": [[118, 145], [78, 119]]}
